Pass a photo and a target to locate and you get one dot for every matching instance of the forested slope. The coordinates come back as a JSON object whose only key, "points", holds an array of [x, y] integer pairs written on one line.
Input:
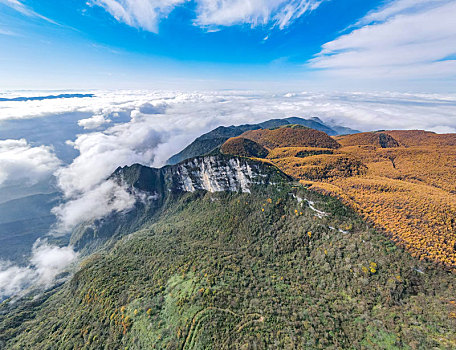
{"points": [[279, 267]]}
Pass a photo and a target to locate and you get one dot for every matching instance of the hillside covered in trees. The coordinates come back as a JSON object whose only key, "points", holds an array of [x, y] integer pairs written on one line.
{"points": [[281, 238], [277, 268], [401, 181]]}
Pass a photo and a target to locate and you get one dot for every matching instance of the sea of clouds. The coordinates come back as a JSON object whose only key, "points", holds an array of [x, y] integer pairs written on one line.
{"points": [[118, 128]]}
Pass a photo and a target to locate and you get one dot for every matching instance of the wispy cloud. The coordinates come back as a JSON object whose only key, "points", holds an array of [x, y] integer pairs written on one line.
{"points": [[25, 10], [7, 32], [96, 203], [402, 40], [279, 13], [146, 14]]}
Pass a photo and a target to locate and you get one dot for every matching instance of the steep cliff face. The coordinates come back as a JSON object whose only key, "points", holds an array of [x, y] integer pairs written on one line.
{"points": [[217, 174], [152, 187], [209, 173]]}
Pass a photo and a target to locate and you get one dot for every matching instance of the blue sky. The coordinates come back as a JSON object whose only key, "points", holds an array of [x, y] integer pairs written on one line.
{"points": [[280, 44]]}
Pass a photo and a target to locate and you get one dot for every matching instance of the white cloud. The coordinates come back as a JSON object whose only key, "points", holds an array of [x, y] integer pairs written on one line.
{"points": [[146, 14], [102, 152], [25, 10], [279, 13], [14, 278], [7, 32], [93, 204], [101, 104], [157, 124], [396, 7], [403, 40], [46, 263], [22, 163], [94, 122]]}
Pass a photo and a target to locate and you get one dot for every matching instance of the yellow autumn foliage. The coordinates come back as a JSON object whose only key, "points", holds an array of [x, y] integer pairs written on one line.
{"points": [[404, 182]]}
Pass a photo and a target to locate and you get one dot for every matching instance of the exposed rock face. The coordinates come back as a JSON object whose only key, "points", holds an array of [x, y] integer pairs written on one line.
{"points": [[152, 187], [214, 174], [209, 173]]}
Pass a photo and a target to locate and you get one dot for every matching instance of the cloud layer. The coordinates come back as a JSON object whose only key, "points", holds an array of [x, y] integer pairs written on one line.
{"points": [[146, 14], [22, 163], [278, 13], [96, 203], [148, 127], [46, 263], [162, 123], [405, 39]]}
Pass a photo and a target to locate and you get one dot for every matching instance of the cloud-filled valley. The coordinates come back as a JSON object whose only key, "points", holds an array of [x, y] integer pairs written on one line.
{"points": [[186, 174], [46, 262], [126, 127], [23, 163]]}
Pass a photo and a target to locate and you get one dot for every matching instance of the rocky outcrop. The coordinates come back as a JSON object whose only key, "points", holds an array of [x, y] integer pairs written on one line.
{"points": [[152, 187], [210, 173]]}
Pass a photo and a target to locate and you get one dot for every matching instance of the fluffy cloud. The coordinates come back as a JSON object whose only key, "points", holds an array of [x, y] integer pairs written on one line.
{"points": [[157, 124], [404, 39], [20, 162], [146, 14], [95, 203], [93, 122], [14, 278], [46, 263]]}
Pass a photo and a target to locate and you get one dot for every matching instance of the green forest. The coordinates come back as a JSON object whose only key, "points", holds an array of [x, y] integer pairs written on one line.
{"points": [[259, 270]]}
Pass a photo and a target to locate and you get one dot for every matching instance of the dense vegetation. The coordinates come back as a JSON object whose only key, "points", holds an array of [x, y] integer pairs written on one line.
{"points": [[377, 139], [244, 148], [215, 138], [281, 267], [402, 181], [410, 192], [278, 268], [291, 136], [312, 163]]}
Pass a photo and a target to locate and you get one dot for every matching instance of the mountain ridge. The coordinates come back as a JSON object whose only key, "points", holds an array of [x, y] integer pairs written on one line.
{"points": [[209, 141], [225, 251], [153, 187]]}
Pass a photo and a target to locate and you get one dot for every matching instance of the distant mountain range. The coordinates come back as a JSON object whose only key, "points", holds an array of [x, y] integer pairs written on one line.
{"points": [[215, 138], [41, 98]]}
